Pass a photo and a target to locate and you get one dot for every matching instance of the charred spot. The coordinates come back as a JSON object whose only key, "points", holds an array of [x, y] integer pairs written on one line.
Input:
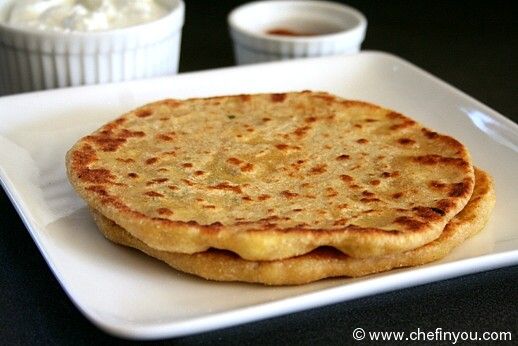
{"points": [[445, 204], [458, 190], [375, 182], [98, 190], [171, 103], [133, 175], [390, 174], [300, 161], [297, 209], [358, 126], [124, 133], [143, 113], [346, 178], [370, 120], [289, 194], [430, 134], [318, 169], [438, 211], [188, 182], [263, 197], [362, 141], [153, 194], [409, 223], [282, 146], [404, 124], [164, 211], [173, 187], [97, 175], [125, 160], [234, 161], [83, 156], [247, 167], [226, 186], [405, 141], [160, 180], [164, 137], [397, 195], [151, 160], [278, 97], [301, 131], [369, 199], [438, 159], [198, 173], [368, 194], [187, 165], [156, 181], [434, 184], [266, 119], [310, 119], [209, 206], [330, 192], [114, 124], [245, 97], [104, 141], [341, 222], [246, 198], [395, 115], [426, 213], [250, 129], [343, 157]]}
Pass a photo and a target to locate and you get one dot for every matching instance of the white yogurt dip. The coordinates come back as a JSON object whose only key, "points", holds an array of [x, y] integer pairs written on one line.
{"points": [[83, 15]]}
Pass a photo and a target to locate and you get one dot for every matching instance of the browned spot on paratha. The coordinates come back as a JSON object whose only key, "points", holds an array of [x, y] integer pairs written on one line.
{"points": [[278, 97], [153, 194], [226, 186]]}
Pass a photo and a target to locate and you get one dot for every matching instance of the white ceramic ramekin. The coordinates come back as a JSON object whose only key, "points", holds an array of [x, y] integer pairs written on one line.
{"points": [[337, 29], [35, 59]]}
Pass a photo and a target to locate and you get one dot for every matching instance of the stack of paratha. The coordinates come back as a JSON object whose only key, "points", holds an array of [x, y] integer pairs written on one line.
{"points": [[279, 188]]}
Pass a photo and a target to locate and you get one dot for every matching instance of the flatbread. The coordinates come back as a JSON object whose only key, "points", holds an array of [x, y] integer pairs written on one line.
{"points": [[272, 176], [323, 262]]}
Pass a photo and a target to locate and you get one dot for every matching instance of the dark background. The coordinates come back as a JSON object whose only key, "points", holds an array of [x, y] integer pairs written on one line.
{"points": [[471, 45]]}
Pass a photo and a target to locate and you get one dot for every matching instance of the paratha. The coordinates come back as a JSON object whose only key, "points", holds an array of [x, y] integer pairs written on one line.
{"points": [[272, 176], [322, 262]]}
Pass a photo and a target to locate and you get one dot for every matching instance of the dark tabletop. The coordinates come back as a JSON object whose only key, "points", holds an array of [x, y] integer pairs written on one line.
{"points": [[469, 45]]}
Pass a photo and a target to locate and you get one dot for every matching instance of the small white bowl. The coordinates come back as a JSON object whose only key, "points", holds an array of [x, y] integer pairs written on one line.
{"points": [[32, 59], [334, 29]]}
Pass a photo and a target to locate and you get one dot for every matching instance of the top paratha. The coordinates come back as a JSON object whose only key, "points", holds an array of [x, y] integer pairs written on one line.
{"points": [[272, 176]]}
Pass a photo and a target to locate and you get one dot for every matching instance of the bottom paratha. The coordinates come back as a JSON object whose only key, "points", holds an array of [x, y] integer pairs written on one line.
{"points": [[321, 263]]}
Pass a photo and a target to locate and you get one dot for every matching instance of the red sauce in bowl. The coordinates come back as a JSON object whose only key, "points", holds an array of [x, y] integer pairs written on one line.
{"points": [[287, 32]]}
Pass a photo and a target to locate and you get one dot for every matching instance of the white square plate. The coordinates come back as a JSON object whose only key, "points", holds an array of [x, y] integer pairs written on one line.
{"points": [[131, 295]]}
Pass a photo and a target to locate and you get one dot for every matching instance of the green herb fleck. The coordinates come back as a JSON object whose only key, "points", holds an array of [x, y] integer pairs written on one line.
{"points": [[231, 116]]}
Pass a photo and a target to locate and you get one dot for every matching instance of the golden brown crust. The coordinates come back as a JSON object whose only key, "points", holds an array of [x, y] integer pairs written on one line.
{"points": [[272, 176], [322, 262]]}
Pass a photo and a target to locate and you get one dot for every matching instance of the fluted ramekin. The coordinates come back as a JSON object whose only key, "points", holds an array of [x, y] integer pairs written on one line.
{"points": [[33, 59], [336, 29]]}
